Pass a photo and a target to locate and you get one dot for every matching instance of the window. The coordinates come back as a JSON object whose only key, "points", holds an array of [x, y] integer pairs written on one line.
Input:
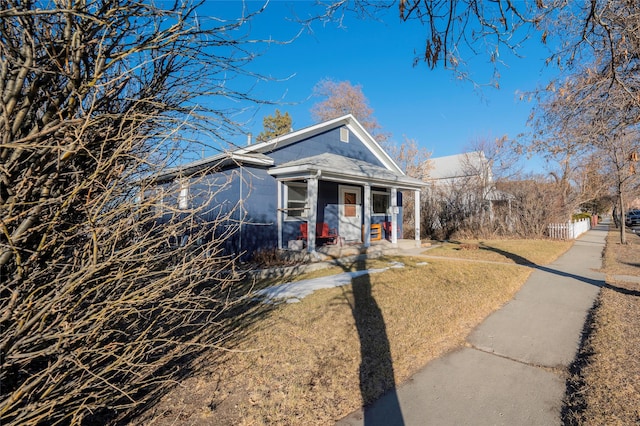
{"points": [[158, 199], [350, 203], [379, 202], [296, 199], [344, 134], [183, 197]]}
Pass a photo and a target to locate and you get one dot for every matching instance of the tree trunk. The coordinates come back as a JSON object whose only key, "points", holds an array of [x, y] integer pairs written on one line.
{"points": [[623, 236]]}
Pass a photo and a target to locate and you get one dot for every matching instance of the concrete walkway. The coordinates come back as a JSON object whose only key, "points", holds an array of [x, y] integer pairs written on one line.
{"points": [[513, 369]]}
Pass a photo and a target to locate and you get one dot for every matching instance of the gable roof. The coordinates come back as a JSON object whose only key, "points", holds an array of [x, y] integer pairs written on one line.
{"points": [[255, 154], [346, 120], [339, 168], [458, 165]]}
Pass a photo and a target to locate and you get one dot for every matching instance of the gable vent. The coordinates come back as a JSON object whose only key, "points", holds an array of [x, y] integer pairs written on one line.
{"points": [[344, 134]]}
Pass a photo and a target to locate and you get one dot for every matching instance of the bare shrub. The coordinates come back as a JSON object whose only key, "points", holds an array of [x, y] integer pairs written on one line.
{"points": [[271, 257], [524, 211], [454, 208], [109, 289]]}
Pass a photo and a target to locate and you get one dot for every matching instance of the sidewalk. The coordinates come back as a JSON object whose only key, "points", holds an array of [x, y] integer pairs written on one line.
{"points": [[513, 369]]}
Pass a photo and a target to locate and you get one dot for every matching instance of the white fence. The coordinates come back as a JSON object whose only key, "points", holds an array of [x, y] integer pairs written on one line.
{"points": [[569, 230]]}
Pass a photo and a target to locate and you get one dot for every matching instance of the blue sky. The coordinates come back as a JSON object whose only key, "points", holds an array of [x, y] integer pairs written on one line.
{"points": [[440, 113]]}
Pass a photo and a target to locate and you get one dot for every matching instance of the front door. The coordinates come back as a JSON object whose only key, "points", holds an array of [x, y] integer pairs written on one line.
{"points": [[350, 213]]}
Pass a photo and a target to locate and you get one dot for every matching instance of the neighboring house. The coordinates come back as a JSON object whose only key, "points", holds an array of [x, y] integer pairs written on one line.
{"points": [[333, 172], [468, 173], [460, 169]]}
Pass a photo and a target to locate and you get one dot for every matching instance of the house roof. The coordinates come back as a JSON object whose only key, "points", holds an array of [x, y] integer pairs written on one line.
{"points": [[459, 165], [470, 164], [255, 154], [346, 120], [336, 167], [232, 158]]}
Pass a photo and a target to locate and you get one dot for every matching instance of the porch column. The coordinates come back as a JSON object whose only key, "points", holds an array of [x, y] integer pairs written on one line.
{"points": [[279, 214], [312, 213], [394, 215], [367, 215], [416, 216]]}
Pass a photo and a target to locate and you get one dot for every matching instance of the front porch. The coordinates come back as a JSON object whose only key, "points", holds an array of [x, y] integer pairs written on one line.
{"points": [[348, 196]]}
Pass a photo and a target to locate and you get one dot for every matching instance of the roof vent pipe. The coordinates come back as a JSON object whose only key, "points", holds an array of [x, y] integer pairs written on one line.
{"points": [[249, 139]]}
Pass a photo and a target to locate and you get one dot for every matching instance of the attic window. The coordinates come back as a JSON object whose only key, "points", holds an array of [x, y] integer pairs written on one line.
{"points": [[344, 134]]}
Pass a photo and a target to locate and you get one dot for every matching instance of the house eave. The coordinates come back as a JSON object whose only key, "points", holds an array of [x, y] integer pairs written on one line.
{"points": [[305, 172], [231, 159]]}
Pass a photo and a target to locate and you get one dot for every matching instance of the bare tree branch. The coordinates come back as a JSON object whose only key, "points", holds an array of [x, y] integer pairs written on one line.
{"points": [[109, 286]]}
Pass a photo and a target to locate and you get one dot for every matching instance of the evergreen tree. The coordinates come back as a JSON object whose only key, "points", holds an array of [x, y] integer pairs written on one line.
{"points": [[275, 125]]}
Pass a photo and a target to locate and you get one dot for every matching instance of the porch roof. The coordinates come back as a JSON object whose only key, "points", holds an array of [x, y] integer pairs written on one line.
{"points": [[343, 169]]}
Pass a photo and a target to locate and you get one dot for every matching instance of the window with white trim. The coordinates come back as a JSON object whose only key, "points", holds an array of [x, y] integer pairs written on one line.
{"points": [[379, 202], [296, 200], [183, 197]]}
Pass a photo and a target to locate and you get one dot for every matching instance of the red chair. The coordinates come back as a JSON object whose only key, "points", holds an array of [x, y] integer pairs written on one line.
{"points": [[387, 230], [323, 233], [303, 231]]}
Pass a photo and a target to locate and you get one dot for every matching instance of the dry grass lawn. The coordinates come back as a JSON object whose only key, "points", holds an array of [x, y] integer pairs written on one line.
{"points": [[604, 388], [539, 252], [315, 361]]}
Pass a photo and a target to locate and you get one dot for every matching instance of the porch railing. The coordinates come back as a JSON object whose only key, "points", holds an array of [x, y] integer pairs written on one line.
{"points": [[569, 230]]}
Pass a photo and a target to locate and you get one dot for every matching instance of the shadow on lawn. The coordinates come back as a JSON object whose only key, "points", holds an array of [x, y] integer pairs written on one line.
{"points": [[377, 377], [622, 290], [519, 260]]}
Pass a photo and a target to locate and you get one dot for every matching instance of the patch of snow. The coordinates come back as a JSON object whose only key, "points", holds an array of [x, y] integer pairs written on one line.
{"points": [[293, 292]]}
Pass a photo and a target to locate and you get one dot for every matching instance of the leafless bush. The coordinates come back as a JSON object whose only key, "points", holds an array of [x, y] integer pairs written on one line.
{"points": [[525, 209], [271, 257], [534, 206], [459, 203], [469, 247], [445, 212], [114, 312], [108, 289]]}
